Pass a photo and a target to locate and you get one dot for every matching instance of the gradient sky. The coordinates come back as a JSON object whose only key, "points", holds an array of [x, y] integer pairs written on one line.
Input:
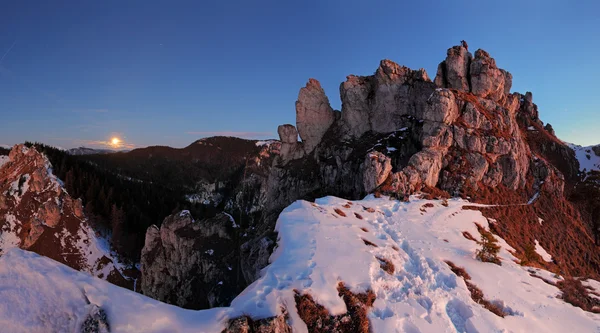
{"points": [[75, 73]]}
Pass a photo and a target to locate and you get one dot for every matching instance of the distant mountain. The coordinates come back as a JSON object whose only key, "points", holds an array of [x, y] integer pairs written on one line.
{"points": [[588, 157], [89, 151]]}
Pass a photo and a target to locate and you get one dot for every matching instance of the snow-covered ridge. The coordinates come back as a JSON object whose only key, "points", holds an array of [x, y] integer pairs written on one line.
{"points": [[321, 244], [588, 160], [36, 200]]}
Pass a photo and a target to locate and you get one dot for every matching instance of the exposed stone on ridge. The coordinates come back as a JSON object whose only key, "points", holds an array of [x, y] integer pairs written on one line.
{"points": [[314, 115], [287, 133]]}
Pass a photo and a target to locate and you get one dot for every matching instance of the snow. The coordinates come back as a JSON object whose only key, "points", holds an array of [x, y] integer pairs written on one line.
{"points": [[17, 191], [316, 249], [264, 143], [542, 252], [3, 160], [233, 224], [531, 128], [582, 154], [8, 233], [391, 149], [40, 295], [534, 198]]}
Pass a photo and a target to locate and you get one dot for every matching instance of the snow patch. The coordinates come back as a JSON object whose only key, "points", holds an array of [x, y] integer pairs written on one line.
{"points": [[542, 252], [8, 234], [3, 160]]}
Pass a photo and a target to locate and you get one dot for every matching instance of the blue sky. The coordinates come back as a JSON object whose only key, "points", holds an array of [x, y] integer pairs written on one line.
{"points": [[169, 72]]}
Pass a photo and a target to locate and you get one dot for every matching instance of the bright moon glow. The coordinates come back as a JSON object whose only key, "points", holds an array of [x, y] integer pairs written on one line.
{"points": [[115, 141]]}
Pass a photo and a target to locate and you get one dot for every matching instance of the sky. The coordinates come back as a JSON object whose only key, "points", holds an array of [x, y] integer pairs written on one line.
{"points": [[77, 73]]}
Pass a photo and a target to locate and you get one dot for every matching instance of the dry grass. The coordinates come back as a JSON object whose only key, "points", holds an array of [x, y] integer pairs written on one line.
{"points": [[339, 212], [468, 236], [364, 229], [358, 216], [319, 320], [395, 248], [425, 206], [369, 209], [574, 293], [369, 243], [434, 193], [476, 293], [347, 206], [386, 265], [459, 271]]}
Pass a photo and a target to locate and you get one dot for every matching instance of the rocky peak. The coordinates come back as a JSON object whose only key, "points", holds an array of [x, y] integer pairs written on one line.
{"points": [[314, 115], [479, 75], [454, 71]]}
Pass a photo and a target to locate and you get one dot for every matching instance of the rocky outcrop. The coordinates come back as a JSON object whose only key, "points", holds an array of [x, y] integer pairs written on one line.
{"points": [[314, 115], [189, 263], [267, 325], [37, 214]]}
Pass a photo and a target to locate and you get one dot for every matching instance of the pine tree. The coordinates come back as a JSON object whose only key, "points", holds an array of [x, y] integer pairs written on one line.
{"points": [[117, 219], [489, 248]]}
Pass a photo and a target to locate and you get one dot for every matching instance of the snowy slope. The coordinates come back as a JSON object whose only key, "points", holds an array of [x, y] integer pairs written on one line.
{"points": [[588, 160], [317, 248]]}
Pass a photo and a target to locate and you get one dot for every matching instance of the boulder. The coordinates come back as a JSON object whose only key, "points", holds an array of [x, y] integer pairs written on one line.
{"points": [[376, 169]]}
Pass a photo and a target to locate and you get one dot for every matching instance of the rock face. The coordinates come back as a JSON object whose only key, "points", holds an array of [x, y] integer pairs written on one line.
{"points": [[380, 102], [191, 263], [37, 214]]}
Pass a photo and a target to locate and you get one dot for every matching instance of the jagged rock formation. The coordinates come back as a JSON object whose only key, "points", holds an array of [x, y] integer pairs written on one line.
{"points": [[37, 214], [399, 132], [192, 264], [468, 121]]}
